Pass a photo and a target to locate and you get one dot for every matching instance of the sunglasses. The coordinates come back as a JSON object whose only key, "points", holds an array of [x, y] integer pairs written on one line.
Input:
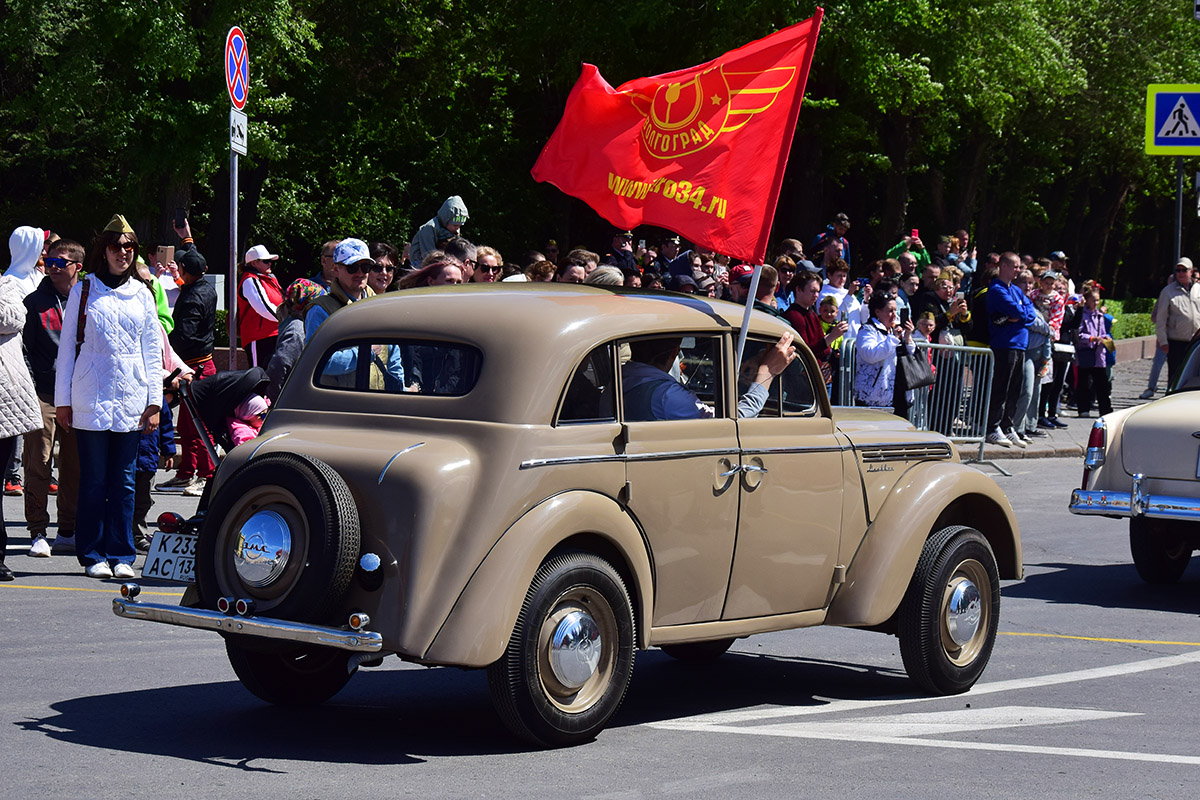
{"points": [[117, 247], [54, 262], [496, 268], [383, 268], [363, 266]]}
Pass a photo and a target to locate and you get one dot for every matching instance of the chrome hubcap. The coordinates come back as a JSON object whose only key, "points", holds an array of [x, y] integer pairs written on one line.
{"points": [[262, 547], [575, 649], [964, 611]]}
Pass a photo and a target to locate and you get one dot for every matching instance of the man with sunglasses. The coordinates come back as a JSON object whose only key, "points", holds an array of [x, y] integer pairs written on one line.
{"points": [[258, 300], [1178, 317], [352, 265], [43, 326]]}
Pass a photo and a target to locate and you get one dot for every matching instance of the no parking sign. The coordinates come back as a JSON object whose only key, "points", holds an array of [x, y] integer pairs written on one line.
{"points": [[237, 68]]}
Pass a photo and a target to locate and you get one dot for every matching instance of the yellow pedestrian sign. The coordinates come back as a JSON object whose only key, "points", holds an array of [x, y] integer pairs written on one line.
{"points": [[1173, 119]]}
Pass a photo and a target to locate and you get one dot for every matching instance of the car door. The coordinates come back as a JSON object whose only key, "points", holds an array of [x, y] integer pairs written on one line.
{"points": [[682, 483], [791, 498]]}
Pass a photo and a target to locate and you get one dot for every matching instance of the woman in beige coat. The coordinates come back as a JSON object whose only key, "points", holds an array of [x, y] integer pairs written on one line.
{"points": [[19, 410]]}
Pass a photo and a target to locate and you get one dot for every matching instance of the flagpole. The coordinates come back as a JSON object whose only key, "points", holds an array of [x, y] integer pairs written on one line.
{"points": [[741, 345]]}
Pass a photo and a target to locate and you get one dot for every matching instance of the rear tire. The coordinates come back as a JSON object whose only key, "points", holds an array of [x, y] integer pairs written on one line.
{"points": [[948, 618], [1161, 549], [570, 656], [295, 676]]}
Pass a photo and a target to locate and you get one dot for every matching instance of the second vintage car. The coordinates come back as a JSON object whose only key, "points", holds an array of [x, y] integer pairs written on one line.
{"points": [[478, 477], [1143, 464]]}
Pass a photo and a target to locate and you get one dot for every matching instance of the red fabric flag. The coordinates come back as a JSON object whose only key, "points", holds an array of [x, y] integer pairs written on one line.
{"points": [[699, 151]]}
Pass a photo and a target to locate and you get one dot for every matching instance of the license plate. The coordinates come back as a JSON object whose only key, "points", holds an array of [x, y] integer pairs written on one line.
{"points": [[172, 557]]}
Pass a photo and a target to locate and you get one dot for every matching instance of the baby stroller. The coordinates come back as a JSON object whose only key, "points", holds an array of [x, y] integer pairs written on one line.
{"points": [[213, 400]]}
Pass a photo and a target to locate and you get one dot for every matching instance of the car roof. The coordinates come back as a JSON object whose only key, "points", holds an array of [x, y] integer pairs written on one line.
{"points": [[532, 335]]}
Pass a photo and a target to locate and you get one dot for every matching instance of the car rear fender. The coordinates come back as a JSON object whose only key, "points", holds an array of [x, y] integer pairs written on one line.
{"points": [[927, 498], [477, 630]]}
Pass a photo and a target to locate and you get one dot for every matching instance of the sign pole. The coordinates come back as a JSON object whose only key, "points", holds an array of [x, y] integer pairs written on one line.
{"points": [[237, 81], [231, 304], [1178, 208]]}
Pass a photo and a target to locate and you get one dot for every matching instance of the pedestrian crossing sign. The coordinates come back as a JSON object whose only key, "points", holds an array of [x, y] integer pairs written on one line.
{"points": [[1173, 119]]}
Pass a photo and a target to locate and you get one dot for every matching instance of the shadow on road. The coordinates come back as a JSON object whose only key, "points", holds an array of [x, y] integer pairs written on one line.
{"points": [[392, 716], [1108, 586]]}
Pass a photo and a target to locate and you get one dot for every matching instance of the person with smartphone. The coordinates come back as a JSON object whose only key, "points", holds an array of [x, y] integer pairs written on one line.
{"points": [[911, 244]]}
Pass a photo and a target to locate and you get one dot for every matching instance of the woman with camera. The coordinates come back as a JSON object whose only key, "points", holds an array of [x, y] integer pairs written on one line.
{"points": [[877, 347]]}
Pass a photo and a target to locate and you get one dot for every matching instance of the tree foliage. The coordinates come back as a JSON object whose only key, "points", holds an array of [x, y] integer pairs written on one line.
{"points": [[1020, 120]]}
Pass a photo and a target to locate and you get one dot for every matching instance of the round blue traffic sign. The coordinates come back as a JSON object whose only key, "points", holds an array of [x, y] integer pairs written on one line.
{"points": [[237, 67]]}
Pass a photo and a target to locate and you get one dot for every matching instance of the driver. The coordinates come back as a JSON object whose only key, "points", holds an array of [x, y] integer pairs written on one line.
{"points": [[652, 393]]}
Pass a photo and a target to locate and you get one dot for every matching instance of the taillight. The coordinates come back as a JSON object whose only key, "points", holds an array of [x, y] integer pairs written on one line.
{"points": [[169, 522], [1094, 457]]}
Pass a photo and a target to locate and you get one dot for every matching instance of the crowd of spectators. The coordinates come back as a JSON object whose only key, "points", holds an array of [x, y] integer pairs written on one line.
{"points": [[138, 321]]}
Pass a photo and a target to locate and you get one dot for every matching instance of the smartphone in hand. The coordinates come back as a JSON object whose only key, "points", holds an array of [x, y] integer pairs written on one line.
{"points": [[180, 217]]}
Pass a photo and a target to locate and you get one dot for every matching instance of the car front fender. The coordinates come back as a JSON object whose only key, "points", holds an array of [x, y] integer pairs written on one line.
{"points": [[927, 498], [477, 630]]}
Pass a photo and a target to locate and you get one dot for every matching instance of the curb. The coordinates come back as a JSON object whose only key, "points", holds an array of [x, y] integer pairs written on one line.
{"points": [[968, 452]]}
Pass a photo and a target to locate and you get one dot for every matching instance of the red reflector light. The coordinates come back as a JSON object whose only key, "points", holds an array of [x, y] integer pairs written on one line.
{"points": [[1094, 455], [169, 522]]}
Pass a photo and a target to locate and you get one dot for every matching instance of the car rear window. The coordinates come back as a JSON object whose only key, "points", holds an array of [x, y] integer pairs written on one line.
{"points": [[401, 366]]}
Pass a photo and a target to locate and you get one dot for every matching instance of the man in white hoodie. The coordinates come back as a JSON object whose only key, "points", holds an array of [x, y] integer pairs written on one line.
{"points": [[25, 245]]}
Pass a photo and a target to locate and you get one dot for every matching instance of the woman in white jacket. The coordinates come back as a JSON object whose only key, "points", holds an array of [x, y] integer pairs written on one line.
{"points": [[19, 410], [876, 348], [109, 394]]}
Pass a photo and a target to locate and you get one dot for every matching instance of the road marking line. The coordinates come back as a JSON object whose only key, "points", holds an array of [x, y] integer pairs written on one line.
{"points": [[782, 730], [78, 589], [1097, 639], [832, 705], [956, 721]]}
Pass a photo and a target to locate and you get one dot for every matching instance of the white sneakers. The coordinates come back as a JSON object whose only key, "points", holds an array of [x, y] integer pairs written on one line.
{"points": [[997, 437], [1017, 439], [195, 488], [40, 548], [102, 570]]}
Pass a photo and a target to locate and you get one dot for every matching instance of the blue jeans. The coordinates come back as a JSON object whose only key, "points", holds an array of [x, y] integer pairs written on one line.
{"points": [[104, 526]]}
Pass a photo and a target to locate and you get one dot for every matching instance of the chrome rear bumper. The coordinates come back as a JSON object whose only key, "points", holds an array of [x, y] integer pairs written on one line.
{"points": [[1134, 504], [261, 627]]}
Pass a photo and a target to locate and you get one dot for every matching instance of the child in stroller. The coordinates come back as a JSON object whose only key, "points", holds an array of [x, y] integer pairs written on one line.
{"points": [[215, 403]]}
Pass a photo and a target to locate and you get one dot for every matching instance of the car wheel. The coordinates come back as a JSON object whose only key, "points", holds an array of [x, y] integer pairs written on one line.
{"points": [[299, 676], [283, 532], [948, 617], [570, 656], [698, 651], [1161, 550]]}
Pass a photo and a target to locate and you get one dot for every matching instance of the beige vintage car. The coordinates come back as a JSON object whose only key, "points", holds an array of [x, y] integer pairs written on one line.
{"points": [[1143, 463], [466, 477]]}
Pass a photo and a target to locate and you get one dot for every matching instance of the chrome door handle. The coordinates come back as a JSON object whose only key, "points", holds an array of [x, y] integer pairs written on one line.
{"points": [[753, 468], [733, 471]]}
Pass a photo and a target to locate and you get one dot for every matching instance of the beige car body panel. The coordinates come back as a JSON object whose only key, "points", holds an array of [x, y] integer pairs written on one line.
{"points": [[463, 497]]}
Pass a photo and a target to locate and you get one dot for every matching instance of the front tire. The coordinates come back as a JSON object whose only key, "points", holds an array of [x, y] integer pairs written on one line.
{"points": [[570, 656], [1161, 549], [297, 676], [947, 621]]}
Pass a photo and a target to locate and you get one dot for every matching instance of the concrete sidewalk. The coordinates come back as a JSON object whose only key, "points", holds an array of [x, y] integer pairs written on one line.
{"points": [[1129, 381]]}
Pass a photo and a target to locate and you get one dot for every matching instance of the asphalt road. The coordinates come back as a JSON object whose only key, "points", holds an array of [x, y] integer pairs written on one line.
{"points": [[1090, 692]]}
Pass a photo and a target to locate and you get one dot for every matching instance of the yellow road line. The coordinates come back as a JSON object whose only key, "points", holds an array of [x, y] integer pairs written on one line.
{"points": [[112, 591], [1097, 638]]}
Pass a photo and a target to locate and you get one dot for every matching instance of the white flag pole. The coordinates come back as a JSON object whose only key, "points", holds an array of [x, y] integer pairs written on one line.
{"points": [[741, 345]]}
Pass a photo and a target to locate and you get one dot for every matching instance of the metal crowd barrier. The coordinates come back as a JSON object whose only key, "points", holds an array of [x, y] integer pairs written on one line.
{"points": [[955, 406]]}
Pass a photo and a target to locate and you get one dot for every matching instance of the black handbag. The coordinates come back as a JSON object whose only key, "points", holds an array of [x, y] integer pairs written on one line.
{"points": [[913, 370]]}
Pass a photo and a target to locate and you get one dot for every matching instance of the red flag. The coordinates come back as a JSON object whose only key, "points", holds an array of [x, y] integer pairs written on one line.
{"points": [[699, 151]]}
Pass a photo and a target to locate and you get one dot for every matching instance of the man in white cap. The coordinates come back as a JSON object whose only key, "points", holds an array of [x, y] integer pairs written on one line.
{"points": [[258, 297], [1178, 317]]}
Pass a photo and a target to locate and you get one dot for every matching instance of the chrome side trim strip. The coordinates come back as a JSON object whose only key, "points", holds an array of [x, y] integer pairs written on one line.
{"points": [[600, 459], [262, 627], [254, 452], [766, 451], [1122, 504], [393, 458]]}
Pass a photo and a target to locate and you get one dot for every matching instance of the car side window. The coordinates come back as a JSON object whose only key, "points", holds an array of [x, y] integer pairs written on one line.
{"points": [[401, 366], [590, 396], [791, 393], [672, 377]]}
